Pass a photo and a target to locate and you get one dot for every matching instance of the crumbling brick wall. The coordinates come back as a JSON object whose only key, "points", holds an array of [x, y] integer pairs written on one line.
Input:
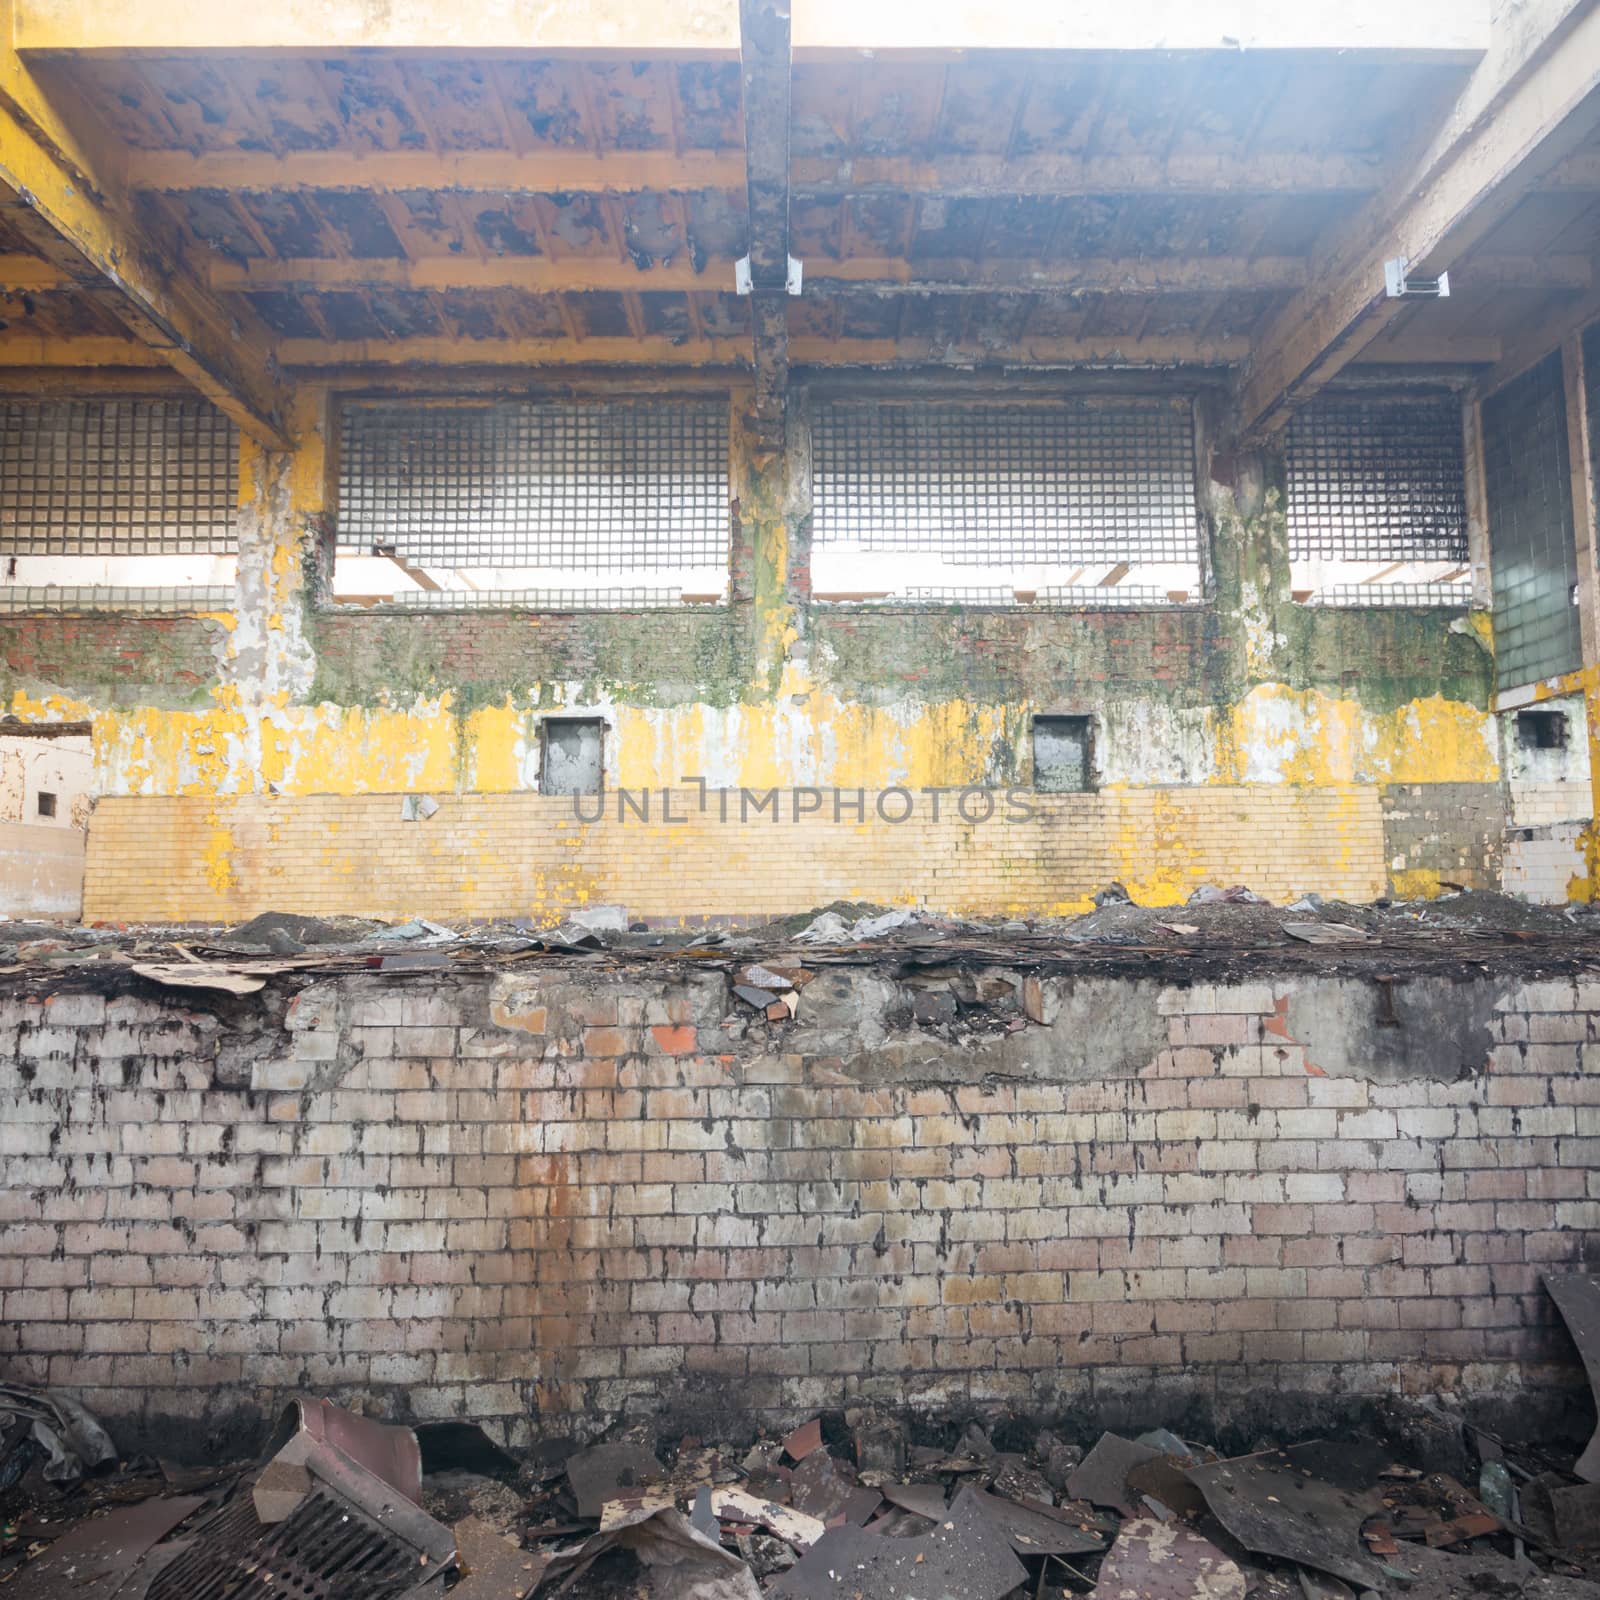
{"points": [[553, 1197], [1437, 833]]}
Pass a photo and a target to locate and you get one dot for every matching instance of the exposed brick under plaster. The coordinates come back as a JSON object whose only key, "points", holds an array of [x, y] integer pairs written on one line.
{"points": [[550, 1198]]}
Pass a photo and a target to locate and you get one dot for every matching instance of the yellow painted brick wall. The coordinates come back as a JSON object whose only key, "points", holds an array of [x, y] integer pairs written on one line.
{"points": [[172, 858]]}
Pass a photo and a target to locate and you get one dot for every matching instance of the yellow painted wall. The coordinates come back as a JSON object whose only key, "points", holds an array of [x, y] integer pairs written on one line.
{"points": [[522, 855], [1275, 735]]}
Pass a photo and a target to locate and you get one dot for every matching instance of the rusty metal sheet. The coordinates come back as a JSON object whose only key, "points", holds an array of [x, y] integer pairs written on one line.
{"points": [[807, 1438], [926, 1499], [1030, 1533], [606, 1471], [823, 1487], [387, 1450], [1481, 1573], [1577, 1298], [1102, 1475], [964, 1558], [1166, 1561], [1275, 1508], [684, 1564], [91, 1560], [1575, 1514]]}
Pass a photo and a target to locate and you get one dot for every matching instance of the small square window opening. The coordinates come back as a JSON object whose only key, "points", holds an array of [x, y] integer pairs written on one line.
{"points": [[46, 803], [1062, 754], [1542, 730], [573, 755]]}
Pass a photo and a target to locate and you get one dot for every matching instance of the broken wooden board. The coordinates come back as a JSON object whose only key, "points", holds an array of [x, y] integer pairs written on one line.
{"points": [[793, 1527], [199, 975]]}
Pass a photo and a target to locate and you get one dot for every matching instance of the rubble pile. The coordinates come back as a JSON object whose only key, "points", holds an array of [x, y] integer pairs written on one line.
{"points": [[849, 1506]]}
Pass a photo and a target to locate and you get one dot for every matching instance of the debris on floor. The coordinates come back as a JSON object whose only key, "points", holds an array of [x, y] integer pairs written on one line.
{"points": [[54, 1427], [855, 1505]]}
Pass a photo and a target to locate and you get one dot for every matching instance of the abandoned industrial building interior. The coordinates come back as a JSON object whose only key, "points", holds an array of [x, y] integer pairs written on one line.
{"points": [[799, 804]]}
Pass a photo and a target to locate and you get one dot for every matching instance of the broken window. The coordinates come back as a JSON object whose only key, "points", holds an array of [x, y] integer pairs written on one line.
{"points": [[544, 505], [1062, 754], [1082, 502], [574, 755], [1542, 730], [125, 504], [1377, 501], [1532, 553], [46, 773]]}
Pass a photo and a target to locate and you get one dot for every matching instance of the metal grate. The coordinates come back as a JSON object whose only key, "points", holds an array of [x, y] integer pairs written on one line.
{"points": [[1532, 557], [1377, 480], [627, 487], [539, 599], [326, 1549], [1119, 596], [958, 595], [1082, 481], [90, 597], [1457, 595], [117, 478]]}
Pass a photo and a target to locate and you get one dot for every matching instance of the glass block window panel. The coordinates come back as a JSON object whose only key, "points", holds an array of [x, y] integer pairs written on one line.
{"points": [[1377, 507], [1532, 554], [535, 496], [115, 478], [929, 500]]}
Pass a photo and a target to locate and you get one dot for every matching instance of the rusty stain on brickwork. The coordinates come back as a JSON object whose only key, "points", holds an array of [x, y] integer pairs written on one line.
{"points": [[546, 1195]]}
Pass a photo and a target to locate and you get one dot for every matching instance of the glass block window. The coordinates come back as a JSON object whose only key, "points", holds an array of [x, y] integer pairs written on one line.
{"points": [[1377, 501], [536, 496], [934, 501], [117, 478], [1532, 554]]}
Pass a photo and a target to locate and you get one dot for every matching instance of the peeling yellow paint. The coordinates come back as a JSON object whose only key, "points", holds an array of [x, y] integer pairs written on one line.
{"points": [[49, 708], [1302, 736], [217, 856]]}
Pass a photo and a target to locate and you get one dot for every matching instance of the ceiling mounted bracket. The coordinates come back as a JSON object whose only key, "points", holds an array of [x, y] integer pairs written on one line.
{"points": [[743, 285], [1397, 286]]}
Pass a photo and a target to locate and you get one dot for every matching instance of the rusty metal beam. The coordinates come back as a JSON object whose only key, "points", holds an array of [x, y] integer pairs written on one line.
{"points": [[858, 275], [656, 351], [487, 171], [66, 207], [1532, 344], [689, 356], [1520, 114], [1046, 175], [863, 275], [34, 350], [764, 63], [580, 172], [21, 274]]}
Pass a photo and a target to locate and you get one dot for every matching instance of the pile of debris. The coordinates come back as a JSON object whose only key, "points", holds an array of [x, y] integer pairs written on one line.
{"points": [[846, 1507]]}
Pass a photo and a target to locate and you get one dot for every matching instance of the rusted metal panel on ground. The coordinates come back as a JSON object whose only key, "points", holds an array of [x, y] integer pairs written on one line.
{"points": [[1166, 1561]]}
